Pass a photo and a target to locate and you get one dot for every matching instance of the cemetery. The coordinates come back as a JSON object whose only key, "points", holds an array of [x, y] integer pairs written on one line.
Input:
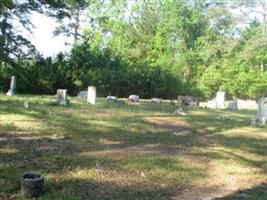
{"points": [[139, 151], [133, 100]]}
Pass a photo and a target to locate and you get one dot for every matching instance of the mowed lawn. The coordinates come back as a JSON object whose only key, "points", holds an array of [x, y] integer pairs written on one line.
{"points": [[116, 150]]}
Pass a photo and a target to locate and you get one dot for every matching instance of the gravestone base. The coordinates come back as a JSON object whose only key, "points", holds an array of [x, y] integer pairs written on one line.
{"points": [[64, 103], [10, 93]]}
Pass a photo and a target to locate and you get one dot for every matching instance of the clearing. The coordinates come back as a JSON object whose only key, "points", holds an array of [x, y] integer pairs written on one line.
{"points": [[114, 150]]}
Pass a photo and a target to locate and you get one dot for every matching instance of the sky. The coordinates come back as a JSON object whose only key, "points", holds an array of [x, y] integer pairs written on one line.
{"points": [[43, 38]]}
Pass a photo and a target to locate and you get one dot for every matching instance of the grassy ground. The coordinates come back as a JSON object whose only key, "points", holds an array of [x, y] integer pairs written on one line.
{"points": [[113, 150]]}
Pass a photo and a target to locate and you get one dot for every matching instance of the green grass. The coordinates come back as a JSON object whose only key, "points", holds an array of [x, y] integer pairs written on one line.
{"points": [[116, 150]]}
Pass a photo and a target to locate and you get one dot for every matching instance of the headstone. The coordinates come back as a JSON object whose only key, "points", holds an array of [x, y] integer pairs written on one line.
{"points": [[12, 89], [220, 96], [212, 104], [111, 97], [82, 94], [246, 104], [218, 102], [133, 98], [179, 111], [261, 115], [156, 100], [26, 104], [188, 100], [62, 97], [91, 95], [232, 105]]}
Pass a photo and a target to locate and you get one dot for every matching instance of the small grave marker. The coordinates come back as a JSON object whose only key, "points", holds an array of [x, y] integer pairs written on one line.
{"points": [[133, 98], [26, 104], [62, 97]]}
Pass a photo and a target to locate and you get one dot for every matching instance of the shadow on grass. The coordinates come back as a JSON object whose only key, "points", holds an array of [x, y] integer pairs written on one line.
{"points": [[258, 192], [120, 139], [60, 156], [99, 190]]}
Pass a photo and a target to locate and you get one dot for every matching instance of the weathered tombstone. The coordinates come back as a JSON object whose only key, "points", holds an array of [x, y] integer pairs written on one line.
{"points": [[156, 100], [62, 97], [179, 111], [246, 104], [133, 98], [212, 104], [241, 104], [262, 111], [220, 96], [91, 94], [188, 100], [82, 94], [12, 89], [111, 97], [232, 105], [218, 102], [26, 104]]}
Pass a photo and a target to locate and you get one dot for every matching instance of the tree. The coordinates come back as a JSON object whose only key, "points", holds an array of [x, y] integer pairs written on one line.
{"points": [[70, 16]]}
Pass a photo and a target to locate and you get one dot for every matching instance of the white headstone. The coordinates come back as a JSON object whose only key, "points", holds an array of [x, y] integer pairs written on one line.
{"points": [[262, 111], [246, 104], [91, 95], [179, 111], [133, 98], [26, 104], [12, 89], [156, 100], [62, 97], [111, 97], [212, 104], [220, 96]]}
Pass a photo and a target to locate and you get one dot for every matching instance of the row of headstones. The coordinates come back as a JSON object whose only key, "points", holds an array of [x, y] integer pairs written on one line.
{"points": [[62, 96], [218, 102], [132, 98], [90, 94], [239, 104]]}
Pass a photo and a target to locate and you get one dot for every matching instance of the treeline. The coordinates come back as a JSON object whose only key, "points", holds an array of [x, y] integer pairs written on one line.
{"points": [[158, 48], [110, 75]]}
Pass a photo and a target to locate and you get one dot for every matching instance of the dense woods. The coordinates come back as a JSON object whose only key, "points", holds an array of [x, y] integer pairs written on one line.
{"points": [[157, 48]]}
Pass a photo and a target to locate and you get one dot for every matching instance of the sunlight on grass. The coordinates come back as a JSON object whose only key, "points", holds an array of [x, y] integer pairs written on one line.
{"points": [[119, 150], [8, 151]]}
